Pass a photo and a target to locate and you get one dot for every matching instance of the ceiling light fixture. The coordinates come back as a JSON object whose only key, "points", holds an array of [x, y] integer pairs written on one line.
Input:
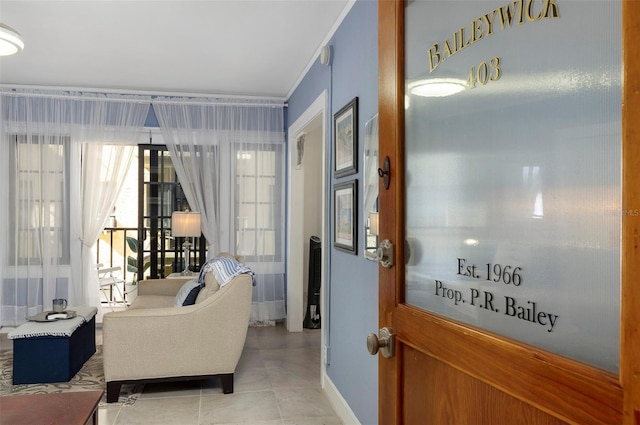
{"points": [[437, 87], [10, 41]]}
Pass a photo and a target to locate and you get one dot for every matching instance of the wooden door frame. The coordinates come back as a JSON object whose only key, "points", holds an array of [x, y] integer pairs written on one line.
{"points": [[391, 129], [588, 395], [630, 315]]}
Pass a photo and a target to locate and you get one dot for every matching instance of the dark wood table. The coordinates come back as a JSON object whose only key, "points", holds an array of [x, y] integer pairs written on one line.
{"points": [[72, 408]]}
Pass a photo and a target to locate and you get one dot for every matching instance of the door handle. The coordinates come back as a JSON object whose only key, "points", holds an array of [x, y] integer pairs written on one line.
{"points": [[383, 343], [385, 254]]}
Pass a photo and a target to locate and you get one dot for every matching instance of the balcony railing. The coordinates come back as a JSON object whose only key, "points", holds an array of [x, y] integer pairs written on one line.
{"points": [[113, 250]]}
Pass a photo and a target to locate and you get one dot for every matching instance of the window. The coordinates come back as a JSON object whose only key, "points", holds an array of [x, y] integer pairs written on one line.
{"points": [[259, 202], [39, 189]]}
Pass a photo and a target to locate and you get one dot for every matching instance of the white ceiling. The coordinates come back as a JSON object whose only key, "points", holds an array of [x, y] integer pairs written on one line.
{"points": [[226, 47]]}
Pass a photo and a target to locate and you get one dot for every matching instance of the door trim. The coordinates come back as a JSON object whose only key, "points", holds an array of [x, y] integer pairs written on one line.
{"points": [[630, 291], [295, 247], [391, 129]]}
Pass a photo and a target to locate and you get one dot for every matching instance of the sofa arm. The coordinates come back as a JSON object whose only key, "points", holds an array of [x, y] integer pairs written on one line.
{"points": [[162, 286]]}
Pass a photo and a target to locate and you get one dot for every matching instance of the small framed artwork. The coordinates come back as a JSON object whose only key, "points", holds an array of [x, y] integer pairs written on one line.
{"points": [[345, 221], [345, 136]]}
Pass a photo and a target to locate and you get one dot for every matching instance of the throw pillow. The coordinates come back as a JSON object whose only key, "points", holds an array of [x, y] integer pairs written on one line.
{"points": [[188, 293]]}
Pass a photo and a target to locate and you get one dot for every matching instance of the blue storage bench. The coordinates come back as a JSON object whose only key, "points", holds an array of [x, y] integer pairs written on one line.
{"points": [[54, 351]]}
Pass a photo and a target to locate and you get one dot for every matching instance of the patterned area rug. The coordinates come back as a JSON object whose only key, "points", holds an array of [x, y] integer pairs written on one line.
{"points": [[90, 377]]}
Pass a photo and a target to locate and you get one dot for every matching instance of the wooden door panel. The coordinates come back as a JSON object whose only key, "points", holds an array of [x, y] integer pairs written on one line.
{"points": [[575, 392], [436, 390]]}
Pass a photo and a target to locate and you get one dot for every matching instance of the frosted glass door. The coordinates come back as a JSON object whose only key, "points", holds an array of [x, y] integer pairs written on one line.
{"points": [[513, 184]]}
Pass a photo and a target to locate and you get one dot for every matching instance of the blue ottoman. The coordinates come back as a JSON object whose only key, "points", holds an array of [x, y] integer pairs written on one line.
{"points": [[55, 351]]}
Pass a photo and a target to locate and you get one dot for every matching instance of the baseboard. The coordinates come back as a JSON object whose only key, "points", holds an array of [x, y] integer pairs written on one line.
{"points": [[338, 403]]}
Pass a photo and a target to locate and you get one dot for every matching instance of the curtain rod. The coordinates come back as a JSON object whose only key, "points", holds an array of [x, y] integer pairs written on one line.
{"points": [[219, 98], [76, 95], [216, 102]]}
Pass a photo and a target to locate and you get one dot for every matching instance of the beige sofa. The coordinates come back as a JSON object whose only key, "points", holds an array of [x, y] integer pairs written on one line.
{"points": [[155, 341]]}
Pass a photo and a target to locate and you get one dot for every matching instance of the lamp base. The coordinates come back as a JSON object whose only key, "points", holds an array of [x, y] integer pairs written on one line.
{"points": [[186, 246]]}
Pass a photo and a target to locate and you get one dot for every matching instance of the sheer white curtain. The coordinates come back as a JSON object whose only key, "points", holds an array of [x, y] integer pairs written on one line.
{"points": [[104, 168], [42, 138], [195, 151], [229, 157]]}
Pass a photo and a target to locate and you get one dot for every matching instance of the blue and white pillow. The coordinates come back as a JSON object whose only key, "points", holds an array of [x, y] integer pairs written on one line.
{"points": [[188, 293]]}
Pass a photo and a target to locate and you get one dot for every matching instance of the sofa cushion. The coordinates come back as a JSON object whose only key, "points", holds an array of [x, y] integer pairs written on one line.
{"points": [[188, 293], [152, 301], [211, 286]]}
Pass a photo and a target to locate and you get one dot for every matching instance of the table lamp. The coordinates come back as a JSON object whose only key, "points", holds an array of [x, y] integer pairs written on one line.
{"points": [[185, 224]]}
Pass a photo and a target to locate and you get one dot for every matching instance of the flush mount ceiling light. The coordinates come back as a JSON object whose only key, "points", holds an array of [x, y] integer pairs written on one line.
{"points": [[10, 41], [437, 87]]}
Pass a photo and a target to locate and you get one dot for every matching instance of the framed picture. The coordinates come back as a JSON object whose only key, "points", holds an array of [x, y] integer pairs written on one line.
{"points": [[345, 136], [345, 218]]}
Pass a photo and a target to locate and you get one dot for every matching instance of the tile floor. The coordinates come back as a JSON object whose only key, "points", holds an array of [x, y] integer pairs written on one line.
{"points": [[277, 382]]}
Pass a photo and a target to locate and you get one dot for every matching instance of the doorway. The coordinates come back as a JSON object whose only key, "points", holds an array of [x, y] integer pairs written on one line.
{"points": [[306, 210], [159, 195]]}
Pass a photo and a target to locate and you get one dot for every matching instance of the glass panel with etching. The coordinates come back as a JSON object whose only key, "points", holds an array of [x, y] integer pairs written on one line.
{"points": [[513, 176]]}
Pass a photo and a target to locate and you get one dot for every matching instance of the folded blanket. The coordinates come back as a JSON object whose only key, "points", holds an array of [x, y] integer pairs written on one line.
{"points": [[225, 269]]}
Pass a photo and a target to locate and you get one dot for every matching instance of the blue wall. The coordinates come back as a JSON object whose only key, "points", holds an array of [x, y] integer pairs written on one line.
{"points": [[353, 281]]}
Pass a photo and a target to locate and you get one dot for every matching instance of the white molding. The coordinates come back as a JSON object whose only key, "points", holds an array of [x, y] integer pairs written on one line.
{"points": [[338, 403], [326, 40], [312, 111]]}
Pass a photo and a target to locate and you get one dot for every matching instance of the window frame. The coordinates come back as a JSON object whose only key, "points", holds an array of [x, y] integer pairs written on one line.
{"points": [[277, 202], [59, 142]]}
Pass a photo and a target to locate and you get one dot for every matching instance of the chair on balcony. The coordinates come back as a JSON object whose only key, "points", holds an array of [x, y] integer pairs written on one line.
{"points": [[109, 282]]}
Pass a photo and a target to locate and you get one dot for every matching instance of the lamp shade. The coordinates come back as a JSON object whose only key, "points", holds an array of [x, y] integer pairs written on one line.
{"points": [[10, 41], [185, 223]]}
